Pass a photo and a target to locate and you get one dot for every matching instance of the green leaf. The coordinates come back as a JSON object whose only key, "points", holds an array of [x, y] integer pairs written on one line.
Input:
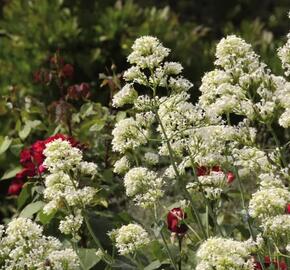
{"points": [[31, 209], [24, 195], [153, 265], [11, 173], [88, 258], [45, 218], [5, 144], [23, 133], [29, 125]]}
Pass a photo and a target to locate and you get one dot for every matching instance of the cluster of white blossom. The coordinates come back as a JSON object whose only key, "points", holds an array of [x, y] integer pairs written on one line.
{"points": [[63, 188], [144, 186], [237, 82], [129, 238], [23, 246], [72, 224], [224, 254], [269, 205]]}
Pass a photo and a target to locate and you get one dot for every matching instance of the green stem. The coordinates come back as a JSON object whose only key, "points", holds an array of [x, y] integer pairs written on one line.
{"points": [[195, 213], [164, 240], [180, 249], [281, 151], [107, 258], [245, 210]]}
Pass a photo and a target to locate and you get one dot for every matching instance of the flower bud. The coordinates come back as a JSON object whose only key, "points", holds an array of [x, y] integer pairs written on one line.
{"points": [[230, 177], [287, 208], [175, 221]]}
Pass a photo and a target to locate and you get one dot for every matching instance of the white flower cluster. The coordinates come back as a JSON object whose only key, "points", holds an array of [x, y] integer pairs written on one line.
{"points": [[213, 184], [237, 82], [151, 158], [71, 225], [284, 55], [23, 246], [61, 156], [223, 254], [269, 204], [122, 165], [128, 134], [129, 238], [127, 95], [144, 186], [63, 187]]}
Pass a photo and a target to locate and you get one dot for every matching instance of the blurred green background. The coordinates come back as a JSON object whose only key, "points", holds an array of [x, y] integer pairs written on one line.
{"points": [[93, 36]]}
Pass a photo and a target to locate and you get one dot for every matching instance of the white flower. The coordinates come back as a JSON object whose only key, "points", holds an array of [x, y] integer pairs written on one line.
{"points": [[129, 238], [148, 52], [61, 156], [269, 202], [23, 246], [223, 254], [284, 55], [277, 227], [122, 165], [64, 259], [71, 225], [126, 95], [134, 74], [179, 84], [172, 68], [144, 186], [128, 134], [151, 158], [88, 168]]}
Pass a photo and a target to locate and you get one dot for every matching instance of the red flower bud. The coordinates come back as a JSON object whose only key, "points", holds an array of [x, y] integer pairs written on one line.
{"points": [[287, 209], [230, 177], [175, 221]]}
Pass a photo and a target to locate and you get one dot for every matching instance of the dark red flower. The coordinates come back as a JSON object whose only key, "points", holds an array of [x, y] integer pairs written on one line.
{"points": [[175, 221], [78, 91], [230, 177], [37, 152], [32, 159], [37, 76], [71, 140], [267, 261], [287, 208], [281, 265], [67, 71], [216, 169], [25, 157], [201, 170], [15, 187], [257, 266]]}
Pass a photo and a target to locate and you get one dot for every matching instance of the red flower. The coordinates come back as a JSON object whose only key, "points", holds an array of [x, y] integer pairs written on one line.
{"points": [[257, 266], [216, 169], [25, 157], [267, 261], [37, 152], [15, 187], [281, 265], [230, 177], [287, 208], [201, 170], [32, 161], [175, 221], [67, 71]]}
